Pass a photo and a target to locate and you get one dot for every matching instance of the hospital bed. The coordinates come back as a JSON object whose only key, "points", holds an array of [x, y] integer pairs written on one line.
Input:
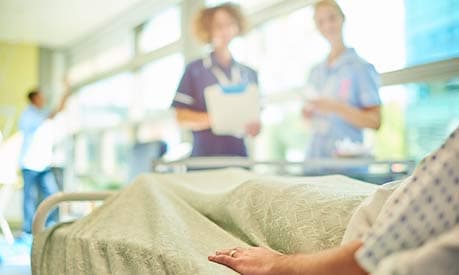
{"points": [[168, 223]]}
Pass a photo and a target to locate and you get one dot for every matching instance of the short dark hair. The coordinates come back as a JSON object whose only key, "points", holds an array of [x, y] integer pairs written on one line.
{"points": [[32, 94]]}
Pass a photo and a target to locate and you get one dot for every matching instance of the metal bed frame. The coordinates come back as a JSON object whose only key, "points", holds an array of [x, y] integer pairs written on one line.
{"points": [[182, 166], [241, 162], [53, 201]]}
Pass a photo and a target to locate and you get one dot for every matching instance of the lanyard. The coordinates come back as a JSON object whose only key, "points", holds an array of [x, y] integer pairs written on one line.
{"points": [[222, 79]]}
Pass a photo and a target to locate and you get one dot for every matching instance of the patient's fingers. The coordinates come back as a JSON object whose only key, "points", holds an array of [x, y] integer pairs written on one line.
{"points": [[223, 252], [228, 252], [224, 260]]}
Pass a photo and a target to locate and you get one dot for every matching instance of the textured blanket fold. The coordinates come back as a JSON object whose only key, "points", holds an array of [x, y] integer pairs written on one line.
{"points": [[169, 224]]}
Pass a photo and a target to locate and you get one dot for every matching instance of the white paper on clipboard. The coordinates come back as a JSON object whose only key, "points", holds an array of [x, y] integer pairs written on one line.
{"points": [[230, 113]]}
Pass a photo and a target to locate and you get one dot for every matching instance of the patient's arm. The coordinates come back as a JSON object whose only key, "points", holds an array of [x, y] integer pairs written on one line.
{"points": [[261, 261]]}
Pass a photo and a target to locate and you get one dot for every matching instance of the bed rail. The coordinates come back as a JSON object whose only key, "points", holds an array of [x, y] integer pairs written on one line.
{"points": [[223, 162], [51, 202]]}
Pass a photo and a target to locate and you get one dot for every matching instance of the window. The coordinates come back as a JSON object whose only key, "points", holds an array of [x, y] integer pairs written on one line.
{"points": [[112, 58], [283, 50], [101, 62], [376, 29], [158, 83], [101, 159], [104, 103], [432, 30], [80, 72], [285, 134], [393, 34], [417, 122], [161, 30]]}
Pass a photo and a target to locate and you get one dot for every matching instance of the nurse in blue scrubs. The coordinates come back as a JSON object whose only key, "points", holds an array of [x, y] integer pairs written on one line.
{"points": [[347, 98], [216, 26]]}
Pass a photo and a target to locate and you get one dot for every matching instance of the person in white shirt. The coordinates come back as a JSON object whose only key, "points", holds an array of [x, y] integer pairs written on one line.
{"points": [[36, 155]]}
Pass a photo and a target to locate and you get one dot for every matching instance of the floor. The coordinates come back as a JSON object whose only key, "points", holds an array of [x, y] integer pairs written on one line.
{"points": [[14, 259]]}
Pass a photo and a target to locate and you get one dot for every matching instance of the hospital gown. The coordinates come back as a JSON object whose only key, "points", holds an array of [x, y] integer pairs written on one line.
{"points": [[417, 231]]}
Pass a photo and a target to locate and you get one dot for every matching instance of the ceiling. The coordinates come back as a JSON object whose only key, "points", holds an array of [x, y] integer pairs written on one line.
{"points": [[56, 23]]}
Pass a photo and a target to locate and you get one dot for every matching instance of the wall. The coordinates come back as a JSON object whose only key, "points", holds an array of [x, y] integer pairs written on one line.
{"points": [[18, 74]]}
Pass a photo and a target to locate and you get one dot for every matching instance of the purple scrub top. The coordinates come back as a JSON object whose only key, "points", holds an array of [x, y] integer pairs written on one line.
{"points": [[190, 95]]}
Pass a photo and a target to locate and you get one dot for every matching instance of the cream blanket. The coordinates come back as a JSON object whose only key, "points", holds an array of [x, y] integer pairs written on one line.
{"points": [[169, 224]]}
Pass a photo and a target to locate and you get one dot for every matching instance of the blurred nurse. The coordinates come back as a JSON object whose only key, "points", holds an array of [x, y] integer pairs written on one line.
{"points": [[216, 26], [347, 99]]}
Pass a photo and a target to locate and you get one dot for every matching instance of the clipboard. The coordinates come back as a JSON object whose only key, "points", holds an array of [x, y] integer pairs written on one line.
{"points": [[231, 109]]}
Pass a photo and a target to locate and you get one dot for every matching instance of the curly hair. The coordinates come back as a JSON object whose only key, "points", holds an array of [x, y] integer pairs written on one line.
{"points": [[202, 26]]}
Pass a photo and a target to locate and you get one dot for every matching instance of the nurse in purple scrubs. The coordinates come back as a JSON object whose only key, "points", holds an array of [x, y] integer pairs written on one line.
{"points": [[347, 88], [216, 26]]}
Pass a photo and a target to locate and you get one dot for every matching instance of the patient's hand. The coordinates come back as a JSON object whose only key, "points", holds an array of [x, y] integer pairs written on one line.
{"points": [[248, 261], [261, 261]]}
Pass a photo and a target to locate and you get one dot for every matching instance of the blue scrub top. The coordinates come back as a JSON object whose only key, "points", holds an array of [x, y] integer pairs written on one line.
{"points": [[190, 95], [351, 80]]}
